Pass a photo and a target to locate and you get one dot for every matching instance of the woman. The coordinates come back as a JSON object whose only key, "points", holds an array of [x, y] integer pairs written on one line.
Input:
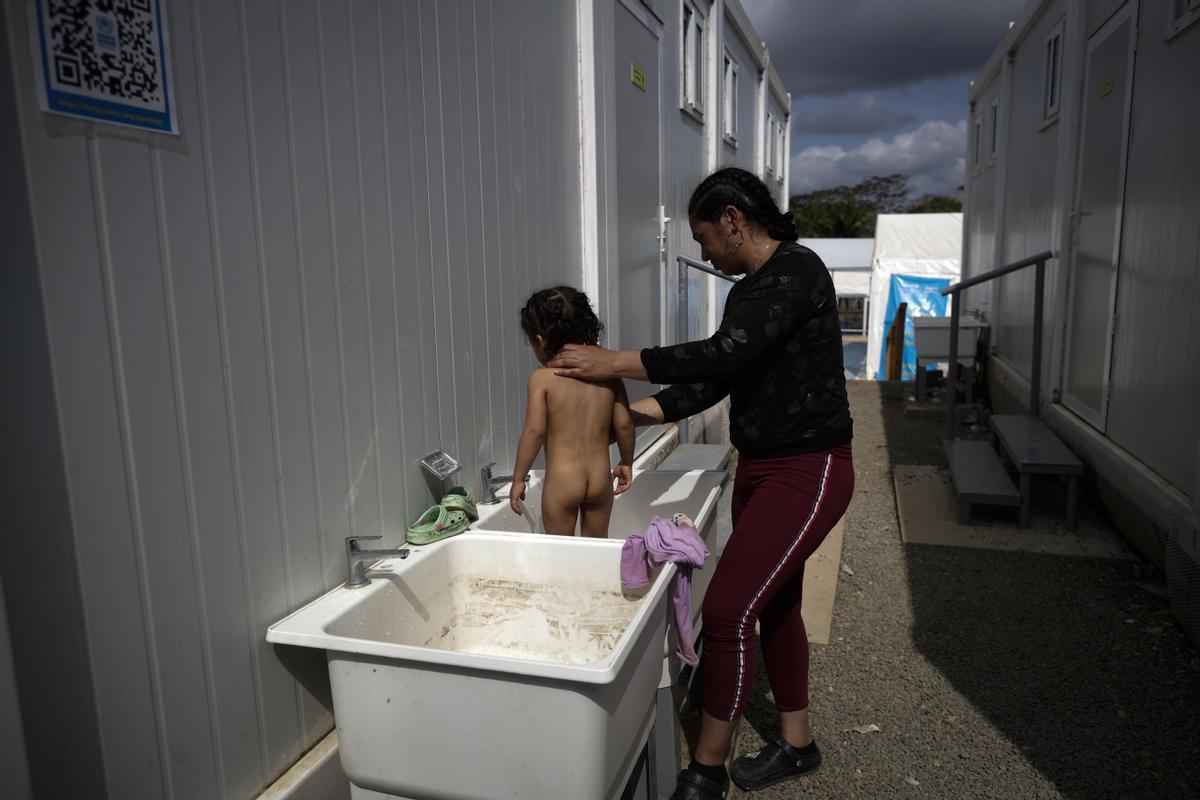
{"points": [[778, 356]]}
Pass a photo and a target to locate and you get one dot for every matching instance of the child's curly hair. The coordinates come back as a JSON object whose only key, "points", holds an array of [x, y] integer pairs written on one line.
{"points": [[560, 315]]}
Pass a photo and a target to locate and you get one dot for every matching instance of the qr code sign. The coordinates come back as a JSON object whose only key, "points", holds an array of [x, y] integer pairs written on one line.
{"points": [[105, 59], [106, 49]]}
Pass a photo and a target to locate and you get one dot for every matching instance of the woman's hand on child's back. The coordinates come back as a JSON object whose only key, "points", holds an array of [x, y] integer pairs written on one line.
{"points": [[623, 474], [515, 495]]}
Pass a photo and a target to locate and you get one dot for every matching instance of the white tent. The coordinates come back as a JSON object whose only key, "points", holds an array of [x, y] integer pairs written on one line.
{"points": [[908, 244], [848, 261]]}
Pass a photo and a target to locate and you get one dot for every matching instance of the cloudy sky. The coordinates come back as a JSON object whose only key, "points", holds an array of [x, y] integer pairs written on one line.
{"points": [[879, 86]]}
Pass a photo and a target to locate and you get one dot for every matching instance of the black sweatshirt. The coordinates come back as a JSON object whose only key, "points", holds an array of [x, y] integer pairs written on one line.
{"points": [[777, 353]]}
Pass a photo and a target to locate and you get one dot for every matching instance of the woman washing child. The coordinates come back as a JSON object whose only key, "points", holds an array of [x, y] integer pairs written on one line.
{"points": [[778, 356]]}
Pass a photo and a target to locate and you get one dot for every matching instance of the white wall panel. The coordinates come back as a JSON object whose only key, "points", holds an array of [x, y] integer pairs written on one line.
{"points": [[743, 154], [1156, 351], [979, 227], [258, 326], [1031, 212]]}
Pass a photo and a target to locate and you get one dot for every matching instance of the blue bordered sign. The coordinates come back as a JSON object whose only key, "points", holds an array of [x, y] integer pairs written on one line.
{"points": [[105, 60]]}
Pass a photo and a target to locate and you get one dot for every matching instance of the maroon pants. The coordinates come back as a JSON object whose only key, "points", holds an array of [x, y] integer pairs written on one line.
{"points": [[782, 510]]}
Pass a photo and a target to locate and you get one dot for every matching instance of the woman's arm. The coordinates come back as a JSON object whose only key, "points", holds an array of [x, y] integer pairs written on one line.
{"points": [[644, 412], [531, 439]]}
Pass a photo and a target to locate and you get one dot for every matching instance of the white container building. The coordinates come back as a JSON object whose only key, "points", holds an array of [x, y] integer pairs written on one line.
{"points": [[227, 346], [1083, 130]]}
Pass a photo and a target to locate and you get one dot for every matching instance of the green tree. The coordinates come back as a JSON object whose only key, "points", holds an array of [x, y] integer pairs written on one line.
{"points": [[934, 204], [849, 212]]}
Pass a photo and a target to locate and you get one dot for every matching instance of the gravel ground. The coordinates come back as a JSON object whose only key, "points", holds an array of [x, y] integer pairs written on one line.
{"points": [[989, 674]]}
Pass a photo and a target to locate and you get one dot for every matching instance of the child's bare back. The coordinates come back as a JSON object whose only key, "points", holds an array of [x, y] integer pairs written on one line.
{"points": [[579, 418]]}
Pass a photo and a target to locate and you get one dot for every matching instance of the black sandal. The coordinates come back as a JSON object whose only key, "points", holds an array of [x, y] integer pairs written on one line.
{"points": [[775, 762], [694, 786]]}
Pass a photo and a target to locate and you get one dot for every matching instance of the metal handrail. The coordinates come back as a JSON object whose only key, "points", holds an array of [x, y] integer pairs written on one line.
{"points": [[685, 261], [1039, 292], [681, 325], [996, 273]]}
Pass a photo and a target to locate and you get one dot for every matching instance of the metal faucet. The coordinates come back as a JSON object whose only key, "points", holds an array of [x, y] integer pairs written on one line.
{"points": [[488, 484], [355, 559]]}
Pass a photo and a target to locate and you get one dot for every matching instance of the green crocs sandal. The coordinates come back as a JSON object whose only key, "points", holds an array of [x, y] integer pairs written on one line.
{"points": [[436, 524], [457, 498]]}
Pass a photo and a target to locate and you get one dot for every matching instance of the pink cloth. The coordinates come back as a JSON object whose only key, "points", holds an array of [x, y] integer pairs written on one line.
{"points": [[663, 542]]}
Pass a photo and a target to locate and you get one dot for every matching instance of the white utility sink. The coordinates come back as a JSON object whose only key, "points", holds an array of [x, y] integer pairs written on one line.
{"points": [[491, 666], [652, 493]]}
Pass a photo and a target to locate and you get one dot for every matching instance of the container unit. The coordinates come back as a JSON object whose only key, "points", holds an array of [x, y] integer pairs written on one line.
{"points": [[1092, 155], [234, 341]]}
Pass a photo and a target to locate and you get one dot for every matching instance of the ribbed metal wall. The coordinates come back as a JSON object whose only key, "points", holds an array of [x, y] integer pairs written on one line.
{"points": [[1030, 215], [1156, 351], [777, 110], [747, 88], [685, 160], [1154, 384], [980, 222], [256, 328]]}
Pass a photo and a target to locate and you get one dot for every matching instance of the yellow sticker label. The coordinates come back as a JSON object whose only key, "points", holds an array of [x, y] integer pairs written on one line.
{"points": [[637, 76], [1107, 87]]}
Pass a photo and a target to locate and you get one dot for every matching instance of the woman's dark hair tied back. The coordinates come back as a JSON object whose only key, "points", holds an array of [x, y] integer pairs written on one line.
{"points": [[744, 191], [560, 315]]}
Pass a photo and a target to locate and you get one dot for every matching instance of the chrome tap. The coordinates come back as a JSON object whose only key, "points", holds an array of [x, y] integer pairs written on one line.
{"points": [[355, 559], [488, 484]]}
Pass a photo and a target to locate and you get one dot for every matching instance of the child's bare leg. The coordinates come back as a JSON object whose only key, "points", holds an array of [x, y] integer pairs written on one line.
{"points": [[596, 509], [560, 510], [594, 519]]}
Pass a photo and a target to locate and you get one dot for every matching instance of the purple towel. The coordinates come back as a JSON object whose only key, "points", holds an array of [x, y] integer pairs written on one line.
{"points": [[663, 542]]}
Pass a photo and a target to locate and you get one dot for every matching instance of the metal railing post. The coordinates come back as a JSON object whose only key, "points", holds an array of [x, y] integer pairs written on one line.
{"points": [[1035, 372], [681, 330], [955, 293], [952, 376]]}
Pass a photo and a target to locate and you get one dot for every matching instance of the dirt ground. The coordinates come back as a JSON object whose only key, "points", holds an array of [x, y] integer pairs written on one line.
{"points": [[988, 674]]}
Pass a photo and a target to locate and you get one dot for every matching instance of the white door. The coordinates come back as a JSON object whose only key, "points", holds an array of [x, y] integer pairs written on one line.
{"points": [[640, 91], [1097, 240]]}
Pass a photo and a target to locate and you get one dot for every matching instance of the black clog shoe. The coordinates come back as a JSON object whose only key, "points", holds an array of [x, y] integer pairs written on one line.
{"points": [[774, 762], [694, 786]]}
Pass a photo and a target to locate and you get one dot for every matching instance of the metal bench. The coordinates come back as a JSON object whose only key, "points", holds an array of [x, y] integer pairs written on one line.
{"points": [[1035, 450], [979, 476]]}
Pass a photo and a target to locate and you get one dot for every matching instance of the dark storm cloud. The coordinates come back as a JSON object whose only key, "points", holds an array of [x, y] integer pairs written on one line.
{"points": [[861, 116], [827, 47], [932, 156]]}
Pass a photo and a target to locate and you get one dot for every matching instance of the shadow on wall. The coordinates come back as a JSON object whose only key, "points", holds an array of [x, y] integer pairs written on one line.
{"points": [[1078, 664]]}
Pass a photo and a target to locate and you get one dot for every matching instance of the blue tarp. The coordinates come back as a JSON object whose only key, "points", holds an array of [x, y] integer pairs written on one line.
{"points": [[924, 300]]}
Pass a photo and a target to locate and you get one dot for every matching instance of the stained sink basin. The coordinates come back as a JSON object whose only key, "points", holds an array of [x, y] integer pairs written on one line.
{"points": [[652, 493], [489, 667]]}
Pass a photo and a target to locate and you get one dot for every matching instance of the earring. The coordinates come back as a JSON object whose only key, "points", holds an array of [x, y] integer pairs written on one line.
{"points": [[741, 242]]}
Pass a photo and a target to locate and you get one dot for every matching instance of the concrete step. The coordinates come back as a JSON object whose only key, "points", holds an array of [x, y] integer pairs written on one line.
{"points": [[697, 456], [979, 475]]}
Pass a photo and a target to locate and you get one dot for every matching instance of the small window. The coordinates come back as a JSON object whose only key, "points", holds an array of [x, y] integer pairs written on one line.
{"points": [[977, 147], [780, 146], [994, 124], [730, 109], [769, 145], [1052, 74], [692, 60]]}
